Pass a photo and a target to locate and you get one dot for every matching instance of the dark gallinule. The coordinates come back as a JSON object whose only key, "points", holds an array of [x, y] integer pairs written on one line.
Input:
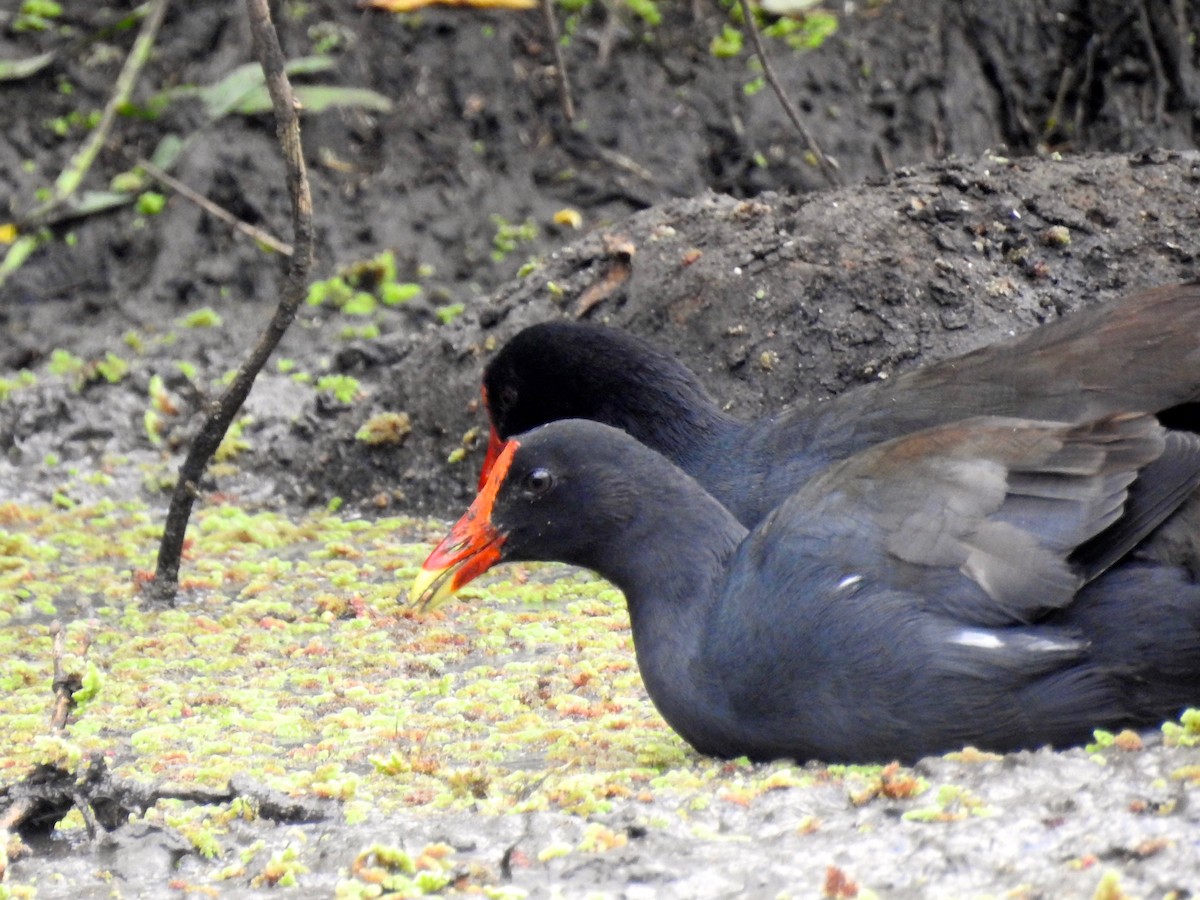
{"points": [[916, 597], [1142, 353]]}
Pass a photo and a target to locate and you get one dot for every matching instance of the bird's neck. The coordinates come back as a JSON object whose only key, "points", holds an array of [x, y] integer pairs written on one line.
{"points": [[679, 420], [672, 566]]}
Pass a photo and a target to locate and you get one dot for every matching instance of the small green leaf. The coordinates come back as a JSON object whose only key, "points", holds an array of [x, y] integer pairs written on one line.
{"points": [[92, 202], [152, 423], [343, 387], [726, 44], [151, 203], [316, 98], [16, 69], [129, 182], [202, 318], [167, 151], [335, 290], [448, 314], [361, 304], [92, 681], [646, 10], [394, 294], [64, 362], [112, 368]]}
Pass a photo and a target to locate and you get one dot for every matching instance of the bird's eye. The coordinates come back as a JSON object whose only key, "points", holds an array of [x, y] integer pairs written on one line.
{"points": [[539, 481]]}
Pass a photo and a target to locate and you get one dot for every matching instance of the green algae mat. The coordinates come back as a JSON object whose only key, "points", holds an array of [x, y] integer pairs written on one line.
{"points": [[292, 662], [291, 656]]}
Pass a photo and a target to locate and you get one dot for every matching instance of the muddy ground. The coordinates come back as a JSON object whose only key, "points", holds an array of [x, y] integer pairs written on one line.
{"points": [[771, 286]]}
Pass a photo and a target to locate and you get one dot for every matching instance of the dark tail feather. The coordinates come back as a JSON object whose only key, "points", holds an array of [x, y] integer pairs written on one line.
{"points": [[1143, 623], [1160, 489]]}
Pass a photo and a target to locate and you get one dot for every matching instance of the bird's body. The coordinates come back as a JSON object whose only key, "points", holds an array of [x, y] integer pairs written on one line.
{"points": [[954, 556], [918, 596], [1139, 353]]}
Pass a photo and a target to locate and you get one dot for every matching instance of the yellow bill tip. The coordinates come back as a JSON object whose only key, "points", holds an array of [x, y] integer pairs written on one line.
{"points": [[432, 588]]}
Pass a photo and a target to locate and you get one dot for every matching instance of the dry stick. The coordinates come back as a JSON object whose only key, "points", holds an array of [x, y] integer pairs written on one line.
{"points": [[65, 686], [221, 413], [77, 167], [825, 163], [1160, 76], [1085, 85], [560, 64], [218, 212]]}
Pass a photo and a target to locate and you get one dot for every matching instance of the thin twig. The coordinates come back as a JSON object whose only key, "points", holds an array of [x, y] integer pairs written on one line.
{"points": [[560, 62], [1161, 85], [827, 166], [218, 212], [77, 167], [1085, 87], [621, 161], [65, 686], [216, 423], [1054, 121]]}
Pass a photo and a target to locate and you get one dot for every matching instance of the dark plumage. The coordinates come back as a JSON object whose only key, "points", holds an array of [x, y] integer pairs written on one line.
{"points": [[923, 594], [1139, 353]]}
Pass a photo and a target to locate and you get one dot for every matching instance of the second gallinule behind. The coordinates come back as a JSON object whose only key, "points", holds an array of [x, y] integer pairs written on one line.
{"points": [[1138, 353], [966, 584]]}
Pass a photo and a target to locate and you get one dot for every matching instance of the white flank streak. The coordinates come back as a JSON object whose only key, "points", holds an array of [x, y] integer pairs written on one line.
{"points": [[980, 639], [1047, 646], [848, 582]]}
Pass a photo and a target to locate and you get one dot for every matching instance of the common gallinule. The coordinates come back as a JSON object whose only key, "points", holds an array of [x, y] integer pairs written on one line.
{"points": [[915, 597], [1138, 353]]}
